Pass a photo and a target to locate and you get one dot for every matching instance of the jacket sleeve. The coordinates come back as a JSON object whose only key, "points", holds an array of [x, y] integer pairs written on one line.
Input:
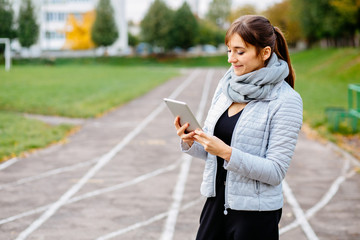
{"points": [[196, 150], [283, 133]]}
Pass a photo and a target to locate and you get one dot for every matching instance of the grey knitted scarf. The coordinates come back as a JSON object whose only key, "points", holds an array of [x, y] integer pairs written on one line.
{"points": [[255, 85]]}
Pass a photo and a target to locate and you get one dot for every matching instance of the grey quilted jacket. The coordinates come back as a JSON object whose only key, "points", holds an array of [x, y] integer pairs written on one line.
{"points": [[263, 143]]}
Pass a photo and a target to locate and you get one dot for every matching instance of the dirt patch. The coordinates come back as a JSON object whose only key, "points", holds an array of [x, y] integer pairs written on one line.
{"points": [[350, 144]]}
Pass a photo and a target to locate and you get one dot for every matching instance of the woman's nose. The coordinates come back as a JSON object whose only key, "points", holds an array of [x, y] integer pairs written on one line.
{"points": [[231, 58]]}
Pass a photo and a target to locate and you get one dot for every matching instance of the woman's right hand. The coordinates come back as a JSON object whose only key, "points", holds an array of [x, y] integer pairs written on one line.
{"points": [[181, 132]]}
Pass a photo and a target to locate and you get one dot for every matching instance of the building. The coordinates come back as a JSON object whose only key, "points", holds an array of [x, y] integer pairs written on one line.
{"points": [[66, 24]]}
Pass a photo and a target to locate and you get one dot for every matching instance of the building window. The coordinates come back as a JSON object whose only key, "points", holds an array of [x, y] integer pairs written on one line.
{"points": [[55, 16], [54, 35]]}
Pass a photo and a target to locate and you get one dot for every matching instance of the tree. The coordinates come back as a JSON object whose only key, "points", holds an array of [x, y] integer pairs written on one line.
{"points": [[219, 11], [210, 33], [156, 25], [104, 31], [283, 15], [184, 28], [329, 19], [247, 9], [78, 34], [28, 30], [349, 11], [133, 40], [6, 19]]}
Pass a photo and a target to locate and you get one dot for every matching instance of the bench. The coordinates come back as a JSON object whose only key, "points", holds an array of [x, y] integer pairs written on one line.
{"points": [[336, 115]]}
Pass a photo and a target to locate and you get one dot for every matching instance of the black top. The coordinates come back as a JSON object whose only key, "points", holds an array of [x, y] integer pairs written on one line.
{"points": [[224, 129], [214, 225]]}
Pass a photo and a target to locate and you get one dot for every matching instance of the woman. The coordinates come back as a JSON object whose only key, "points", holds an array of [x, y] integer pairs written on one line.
{"points": [[249, 135]]}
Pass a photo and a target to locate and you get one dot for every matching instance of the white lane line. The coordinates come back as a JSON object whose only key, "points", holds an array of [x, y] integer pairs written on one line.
{"points": [[169, 227], [324, 200], [8, 163], [101, 163], [48, 174], [147, 222], [95, 193], [322, 203], [299, 214]]}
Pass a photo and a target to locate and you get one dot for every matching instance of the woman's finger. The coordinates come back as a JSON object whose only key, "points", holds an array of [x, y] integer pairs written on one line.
{"points": [[177, 122], [199, 139], [201, 134], [181, 130]]}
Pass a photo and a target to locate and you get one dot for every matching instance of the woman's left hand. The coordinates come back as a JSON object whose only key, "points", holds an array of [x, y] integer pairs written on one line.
{"points": [[213, 145]]}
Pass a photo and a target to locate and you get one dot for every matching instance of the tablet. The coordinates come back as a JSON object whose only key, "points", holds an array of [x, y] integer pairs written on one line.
{"points": [[181, 109]]}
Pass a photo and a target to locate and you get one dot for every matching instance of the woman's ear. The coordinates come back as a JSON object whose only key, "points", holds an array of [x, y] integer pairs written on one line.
{"points": [[266, 53]]}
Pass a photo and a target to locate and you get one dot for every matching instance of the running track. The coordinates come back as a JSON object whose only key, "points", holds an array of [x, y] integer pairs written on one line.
{"points": [[122, 176]]}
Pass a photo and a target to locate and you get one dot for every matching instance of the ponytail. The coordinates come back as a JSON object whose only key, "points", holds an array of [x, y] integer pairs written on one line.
{"points": [[282, 51]]}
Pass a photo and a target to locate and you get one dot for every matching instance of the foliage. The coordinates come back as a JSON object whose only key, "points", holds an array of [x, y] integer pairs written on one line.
{"points": [[329, 19], [349, 11], [156, 24], [184, 28], [104, 31], [210, 33], [247, 9], [219, 12], [6, 20], [283, 15], [133, 40], [28, 29], [78, 34]]}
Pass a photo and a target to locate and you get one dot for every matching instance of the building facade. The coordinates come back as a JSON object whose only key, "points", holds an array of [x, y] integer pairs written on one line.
{"points": [[66, 24]]}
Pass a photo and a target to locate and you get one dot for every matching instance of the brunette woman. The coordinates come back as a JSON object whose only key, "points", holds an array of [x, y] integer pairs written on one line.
{"points": [[249, 135]]}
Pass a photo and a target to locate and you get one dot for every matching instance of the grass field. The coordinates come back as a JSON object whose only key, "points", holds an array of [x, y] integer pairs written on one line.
{"points": [[89, 87], [322, 78], [69, 90], [18, 134], [76, 90]]}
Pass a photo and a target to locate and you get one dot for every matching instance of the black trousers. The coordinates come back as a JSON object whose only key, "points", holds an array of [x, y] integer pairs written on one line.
{"points": [[236, 225]]}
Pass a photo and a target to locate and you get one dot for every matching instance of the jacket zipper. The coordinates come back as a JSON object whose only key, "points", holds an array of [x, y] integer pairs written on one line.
{"points": [[257, 186], [226, 205], [215, 177]]}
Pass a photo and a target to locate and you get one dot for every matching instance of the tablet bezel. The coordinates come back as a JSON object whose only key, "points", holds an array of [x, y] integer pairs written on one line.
{"points": [[179, 108]]}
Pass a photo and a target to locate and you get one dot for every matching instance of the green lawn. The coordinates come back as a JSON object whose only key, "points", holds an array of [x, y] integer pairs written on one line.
{"points": [[18, 134], [75, 90], [72, 90], [322, 77]]}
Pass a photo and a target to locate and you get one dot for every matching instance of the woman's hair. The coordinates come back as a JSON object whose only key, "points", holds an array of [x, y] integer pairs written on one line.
{"points": [[258, 31]]}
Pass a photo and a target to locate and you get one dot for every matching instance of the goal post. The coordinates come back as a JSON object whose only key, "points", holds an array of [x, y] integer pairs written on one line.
{"points": [[7, 52]]}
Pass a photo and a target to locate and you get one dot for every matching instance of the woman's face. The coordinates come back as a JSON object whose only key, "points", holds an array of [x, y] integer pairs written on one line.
{"points": [[242, 57]]}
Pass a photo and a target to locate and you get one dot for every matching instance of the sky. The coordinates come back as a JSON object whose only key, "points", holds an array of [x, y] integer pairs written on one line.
{"points": [[136, 9]]}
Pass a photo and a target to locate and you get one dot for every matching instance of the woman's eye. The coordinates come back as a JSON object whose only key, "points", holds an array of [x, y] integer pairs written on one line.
{"points": [[229, 51], [240, 53]]}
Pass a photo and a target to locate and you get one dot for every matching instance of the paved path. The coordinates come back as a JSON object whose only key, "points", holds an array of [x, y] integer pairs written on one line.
{"points": [[122, 176]]}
